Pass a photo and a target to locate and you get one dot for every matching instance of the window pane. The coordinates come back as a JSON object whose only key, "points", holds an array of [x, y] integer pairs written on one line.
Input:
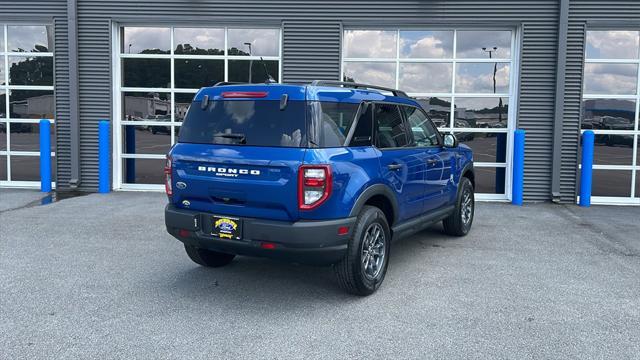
{"points": [[3, 167], [426, 44], [143, 171], [146, 106], [199, 41], [489, 180], [31, 70], [637, 183], [424, 133], [26, 168], [331, 122], [264, 42], [470, 44], [37, 38], [2, 80], [182, 103], [390, 129], [426, 77], [481, 112], [31, 104], [197, 73], [1, 38], [481, 77], [239, 70], [255, 123], [362, 134], [609, 114], [26, 137], [638, 150], [3, 105], [487, 147], [146, 73], [612, 44], [146, 139], [610, 78], [146, 40], [3, 136], [369, 44], [612, 150], [381, 74], [611, 183], [438, 109]]}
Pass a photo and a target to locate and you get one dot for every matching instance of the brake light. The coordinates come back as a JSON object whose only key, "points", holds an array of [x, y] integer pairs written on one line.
{"points": [[314, 185], [244, 94], [168, 168]]}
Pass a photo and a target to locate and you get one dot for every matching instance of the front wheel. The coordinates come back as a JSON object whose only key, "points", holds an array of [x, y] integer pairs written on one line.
{"points": [[208, 258], [459, 222], [363, 268]]}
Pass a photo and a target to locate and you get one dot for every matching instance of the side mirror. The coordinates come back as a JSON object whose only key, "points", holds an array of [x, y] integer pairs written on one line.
{"points": [[450, 141]]}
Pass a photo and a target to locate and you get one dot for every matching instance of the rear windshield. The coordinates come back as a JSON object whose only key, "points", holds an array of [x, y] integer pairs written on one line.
{"points": [[246, 122], [263, 123]]}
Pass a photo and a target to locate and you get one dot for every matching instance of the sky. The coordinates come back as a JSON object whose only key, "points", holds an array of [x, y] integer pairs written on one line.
{"points": [[428, 77], [26, 37], [265, 42]]}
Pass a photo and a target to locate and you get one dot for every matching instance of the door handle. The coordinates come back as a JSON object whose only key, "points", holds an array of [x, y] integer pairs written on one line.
{"points": [[432, 161], [394, 166]]}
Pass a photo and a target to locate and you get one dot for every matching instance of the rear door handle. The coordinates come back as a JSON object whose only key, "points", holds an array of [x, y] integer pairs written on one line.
{"points": [[394, 166]]}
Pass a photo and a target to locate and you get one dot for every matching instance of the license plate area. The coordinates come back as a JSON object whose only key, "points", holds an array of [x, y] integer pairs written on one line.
{"points": [[225, 227]]}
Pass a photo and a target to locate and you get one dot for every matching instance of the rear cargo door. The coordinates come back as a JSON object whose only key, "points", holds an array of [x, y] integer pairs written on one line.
{"points": [[240, 155]]}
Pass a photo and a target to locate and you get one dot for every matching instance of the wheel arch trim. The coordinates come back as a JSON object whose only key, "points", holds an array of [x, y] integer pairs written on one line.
{"points": [[371, 191]]}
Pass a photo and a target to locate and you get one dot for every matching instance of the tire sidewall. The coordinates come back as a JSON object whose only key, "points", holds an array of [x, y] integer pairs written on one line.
{"points": [[464, 185], [369, 216]]}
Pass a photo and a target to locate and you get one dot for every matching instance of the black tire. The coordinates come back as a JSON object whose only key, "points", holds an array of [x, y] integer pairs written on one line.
{"points": [[350, 271], [208, 258], [459, 222]]}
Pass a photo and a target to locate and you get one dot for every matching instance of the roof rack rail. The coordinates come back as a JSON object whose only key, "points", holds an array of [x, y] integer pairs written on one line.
{"points": [[355, 85], [222, 83]]}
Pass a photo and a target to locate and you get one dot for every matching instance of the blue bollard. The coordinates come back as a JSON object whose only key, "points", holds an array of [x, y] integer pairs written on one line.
{"points": [[587, 168], [103, 157], [518, 167], [45, 155]]}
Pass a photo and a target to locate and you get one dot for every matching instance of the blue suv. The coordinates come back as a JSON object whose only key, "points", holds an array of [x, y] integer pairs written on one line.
{"points": [[328, 173]]}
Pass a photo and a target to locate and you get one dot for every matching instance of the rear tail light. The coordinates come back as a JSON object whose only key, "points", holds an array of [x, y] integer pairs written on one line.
{"points": [[314, 185], [168, 167]]}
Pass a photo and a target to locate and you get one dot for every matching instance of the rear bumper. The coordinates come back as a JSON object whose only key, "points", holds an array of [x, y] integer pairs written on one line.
{"points": [[310, 242]]}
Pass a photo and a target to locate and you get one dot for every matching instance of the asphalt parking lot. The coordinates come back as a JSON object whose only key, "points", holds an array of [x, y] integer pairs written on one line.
{"points": [[97, 276]]}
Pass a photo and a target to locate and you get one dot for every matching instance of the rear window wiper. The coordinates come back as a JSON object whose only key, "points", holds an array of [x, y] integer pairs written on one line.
{"points": [[242, 139]]}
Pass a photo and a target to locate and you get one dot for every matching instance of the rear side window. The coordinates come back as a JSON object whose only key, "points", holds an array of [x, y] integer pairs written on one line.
{"points": [[330, 122], [246, 122], [362, 134], [390, 129]]}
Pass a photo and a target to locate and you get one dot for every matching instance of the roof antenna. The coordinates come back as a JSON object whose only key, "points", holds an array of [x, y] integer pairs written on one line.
{"points": [[270, 79]]}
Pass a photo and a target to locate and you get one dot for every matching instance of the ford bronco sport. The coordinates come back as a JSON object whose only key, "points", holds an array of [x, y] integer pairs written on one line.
{"points": [[326, 173]]}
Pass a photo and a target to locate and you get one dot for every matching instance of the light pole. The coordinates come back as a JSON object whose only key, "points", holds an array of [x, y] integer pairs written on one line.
{"points": [[495, 70], [250, 61]]}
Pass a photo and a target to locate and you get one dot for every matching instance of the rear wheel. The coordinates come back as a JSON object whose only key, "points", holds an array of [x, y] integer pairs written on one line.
{"points": [[459, 222], [207, 257], [363, 268]]}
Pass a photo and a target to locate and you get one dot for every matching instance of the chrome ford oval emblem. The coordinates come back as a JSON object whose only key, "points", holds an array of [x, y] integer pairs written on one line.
{"points": [[180, 185]]}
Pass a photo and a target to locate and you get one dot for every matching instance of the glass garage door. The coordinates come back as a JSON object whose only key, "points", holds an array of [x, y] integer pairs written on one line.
{"points": [[611, 95], [159, 70], [463, 78], [26, 96]]}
